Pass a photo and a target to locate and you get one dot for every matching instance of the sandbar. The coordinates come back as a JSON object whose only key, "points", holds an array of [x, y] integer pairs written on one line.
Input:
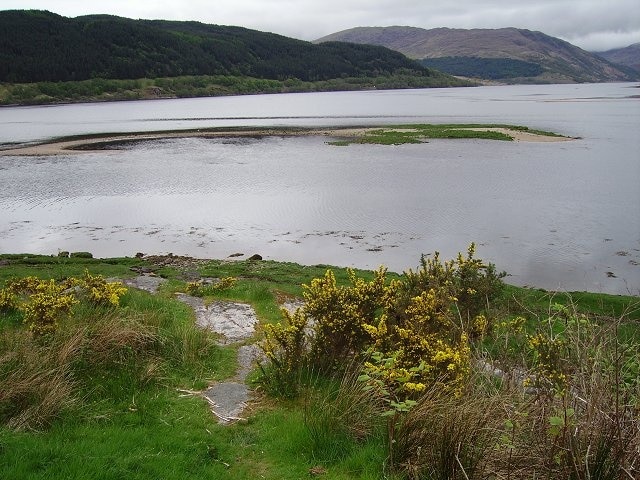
{"points": [[89, 143]]}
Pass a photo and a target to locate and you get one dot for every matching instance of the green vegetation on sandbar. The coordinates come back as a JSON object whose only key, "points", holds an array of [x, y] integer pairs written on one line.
{"points": [[440, 372], [418, 133]]}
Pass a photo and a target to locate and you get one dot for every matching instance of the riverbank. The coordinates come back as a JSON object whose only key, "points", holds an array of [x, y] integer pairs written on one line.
{"points": [[345, 135], [112, 90]]}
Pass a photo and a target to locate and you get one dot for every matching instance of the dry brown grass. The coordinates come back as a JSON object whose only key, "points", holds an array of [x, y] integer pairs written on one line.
{"points": [[40, 377], [36, 383], [448, 437]]}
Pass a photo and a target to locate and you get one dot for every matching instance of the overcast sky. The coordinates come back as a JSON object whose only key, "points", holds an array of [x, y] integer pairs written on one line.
{"points": [[590, 24]]}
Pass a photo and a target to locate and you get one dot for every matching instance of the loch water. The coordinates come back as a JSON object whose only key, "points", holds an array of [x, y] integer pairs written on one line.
{"points": [[562, 215]]}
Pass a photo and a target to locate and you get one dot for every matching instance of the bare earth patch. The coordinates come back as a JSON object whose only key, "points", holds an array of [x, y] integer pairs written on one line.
{"points": [[521, 136]]}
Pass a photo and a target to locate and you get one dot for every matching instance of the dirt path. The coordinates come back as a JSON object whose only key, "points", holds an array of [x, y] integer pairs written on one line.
{"points": [[235, 323]]}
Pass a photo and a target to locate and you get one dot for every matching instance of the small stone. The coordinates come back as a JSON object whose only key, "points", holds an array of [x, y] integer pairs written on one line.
{"points": [[255, 257], [236, 255], [149, 283], [228, 400]]}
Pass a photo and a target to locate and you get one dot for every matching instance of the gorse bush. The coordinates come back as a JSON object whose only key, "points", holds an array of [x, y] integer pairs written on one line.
{"points": [[44, 303], [201, 289], [468, 282], [100, 292], [414, 331], [587, 398], [286, 346], [562, 404]]}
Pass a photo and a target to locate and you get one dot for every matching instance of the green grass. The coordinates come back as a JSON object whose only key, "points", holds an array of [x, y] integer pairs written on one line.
{"points": [[418, 133], [537, 302], [43, 266], [157, 435], [123, 426]]}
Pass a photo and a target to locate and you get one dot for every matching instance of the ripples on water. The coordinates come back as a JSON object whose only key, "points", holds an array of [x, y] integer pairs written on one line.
{"points": [[554, 215]]}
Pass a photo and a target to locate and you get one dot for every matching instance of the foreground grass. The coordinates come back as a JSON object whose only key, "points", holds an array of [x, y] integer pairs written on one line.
{"points": [[129, 420]]}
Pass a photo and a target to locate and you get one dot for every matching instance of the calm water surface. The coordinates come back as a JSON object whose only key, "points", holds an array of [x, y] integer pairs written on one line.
{"points": [[555, 215]]}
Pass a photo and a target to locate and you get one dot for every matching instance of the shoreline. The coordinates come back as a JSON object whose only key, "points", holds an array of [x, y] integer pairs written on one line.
{"points": [[101, 142]]}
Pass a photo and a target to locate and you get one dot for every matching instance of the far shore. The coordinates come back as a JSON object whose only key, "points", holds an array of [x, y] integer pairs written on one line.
{"points": [[102, 142]]}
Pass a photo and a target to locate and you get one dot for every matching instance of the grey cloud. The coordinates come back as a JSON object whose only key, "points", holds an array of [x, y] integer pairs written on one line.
{"points": [[592, 24]]}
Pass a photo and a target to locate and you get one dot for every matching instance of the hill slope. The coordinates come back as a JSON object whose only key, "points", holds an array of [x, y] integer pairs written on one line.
{"points": [[539, 57], [627, 56], [42, 46]]}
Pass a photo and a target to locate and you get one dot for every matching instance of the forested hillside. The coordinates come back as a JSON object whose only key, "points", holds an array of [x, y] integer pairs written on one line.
{"points": [[40, 46]]}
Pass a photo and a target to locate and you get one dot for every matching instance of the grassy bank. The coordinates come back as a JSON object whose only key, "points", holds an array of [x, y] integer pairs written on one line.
{"points": [[100, 90], [102, 396]]}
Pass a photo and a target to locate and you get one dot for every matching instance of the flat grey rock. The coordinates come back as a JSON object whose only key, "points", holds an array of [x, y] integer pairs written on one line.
{"points": [[248, 356], [227, 400], [145, 282], [235, 321], [292, 305]]}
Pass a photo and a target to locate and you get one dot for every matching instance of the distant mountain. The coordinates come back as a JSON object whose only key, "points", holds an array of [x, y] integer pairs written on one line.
{"points": [[38, 46], [509, 54], [627, 56]]}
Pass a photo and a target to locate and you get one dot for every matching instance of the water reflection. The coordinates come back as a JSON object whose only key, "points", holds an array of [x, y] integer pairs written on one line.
{"points": [[553, 215]]}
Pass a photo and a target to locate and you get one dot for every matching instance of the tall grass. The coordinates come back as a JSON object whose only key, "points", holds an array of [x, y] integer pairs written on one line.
{"points": [[445, 437], [341, 416], [102, 353]]}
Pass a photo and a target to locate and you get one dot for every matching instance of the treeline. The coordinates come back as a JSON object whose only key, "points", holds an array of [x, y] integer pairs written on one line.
{"points": [[39, 46], [202, 86], [490, 68]]}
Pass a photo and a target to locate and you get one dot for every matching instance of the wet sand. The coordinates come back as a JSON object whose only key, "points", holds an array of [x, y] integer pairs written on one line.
{"points": [[95, 143]]}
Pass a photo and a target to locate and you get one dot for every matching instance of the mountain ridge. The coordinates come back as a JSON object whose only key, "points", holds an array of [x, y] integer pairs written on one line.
{"points": [[628, 56], [559, 61]]}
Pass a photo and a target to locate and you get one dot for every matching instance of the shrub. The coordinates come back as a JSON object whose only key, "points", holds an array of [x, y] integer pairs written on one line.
{"points": [[286, 349], [81, 255], [341, 316], [100, 292], [201, 289], [586, 412], [46, 306], [44, 303], [411, 329], [467, 281]]}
